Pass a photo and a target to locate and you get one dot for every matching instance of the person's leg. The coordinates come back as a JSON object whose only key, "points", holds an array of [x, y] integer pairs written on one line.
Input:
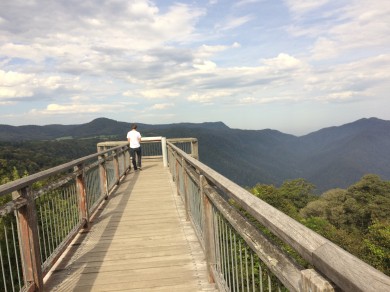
{"points": [[132, 154], [139, 155]]}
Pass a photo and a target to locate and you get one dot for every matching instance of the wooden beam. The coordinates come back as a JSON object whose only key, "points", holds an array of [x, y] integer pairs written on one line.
{"points": [[29, 241]]}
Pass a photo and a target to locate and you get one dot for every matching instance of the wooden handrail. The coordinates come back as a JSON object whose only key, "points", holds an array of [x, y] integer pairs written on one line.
{"points": [[342, 268], [24, 206], [29, 180]]}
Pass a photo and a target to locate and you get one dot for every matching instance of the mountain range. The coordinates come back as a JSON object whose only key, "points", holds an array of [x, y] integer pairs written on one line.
{"points": [[333, 157]]}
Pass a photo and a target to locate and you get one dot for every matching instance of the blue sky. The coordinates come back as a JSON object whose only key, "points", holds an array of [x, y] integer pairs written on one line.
{"points": [[293, 65]]}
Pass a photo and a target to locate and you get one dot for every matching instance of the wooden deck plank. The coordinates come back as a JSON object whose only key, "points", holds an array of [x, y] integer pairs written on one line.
{"points": [[139, 241]]}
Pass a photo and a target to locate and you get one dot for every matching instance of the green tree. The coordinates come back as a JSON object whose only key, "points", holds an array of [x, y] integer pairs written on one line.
{"points": [[376, 246], [289, 198]]}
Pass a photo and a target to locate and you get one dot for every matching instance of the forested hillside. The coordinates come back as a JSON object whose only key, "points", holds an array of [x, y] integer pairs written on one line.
{"points": [[329, 158], [33, 156], [356, 218]]}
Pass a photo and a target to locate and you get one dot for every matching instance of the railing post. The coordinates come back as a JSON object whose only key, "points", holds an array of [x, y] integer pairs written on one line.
{"points": [[194, 149], [100, 148], [129, 157], [103, 175], [312, 281], [82, 194], [29, 240], [177, 175], [116, 165], [208, 226], [164, 151], [124, 159], [186, 195]]}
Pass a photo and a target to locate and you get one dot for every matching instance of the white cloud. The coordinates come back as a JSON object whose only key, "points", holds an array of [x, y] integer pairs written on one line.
{"points": [[340, 96], [235, 22], [6, 103], [158, 93], [325, 48], [23, 86], [11, 78], [52, 82], [240, 3], [29, 52], [15, 92], [76, 108], [349, 26], [248, 100], [208, 97], [178, 23], [304, 6], [165, 53], [202, 98], [77, 42], [14, 84], [206, 51], [162, 106], [204, 65], [283, 62]]}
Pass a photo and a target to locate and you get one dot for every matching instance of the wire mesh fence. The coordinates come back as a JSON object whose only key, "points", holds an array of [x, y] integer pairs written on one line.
{"points": [[237, 265], [10, 256], [54, 205]]}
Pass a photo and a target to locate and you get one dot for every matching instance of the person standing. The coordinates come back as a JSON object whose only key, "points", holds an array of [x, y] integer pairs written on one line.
{"points": [[134, 138]]}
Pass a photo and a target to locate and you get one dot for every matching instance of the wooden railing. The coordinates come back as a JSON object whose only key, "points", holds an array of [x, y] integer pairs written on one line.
{"points": [[46, 210], [228, 220]]}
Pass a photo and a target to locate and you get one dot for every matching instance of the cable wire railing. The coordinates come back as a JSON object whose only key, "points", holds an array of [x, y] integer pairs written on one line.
{"points": [[231, 225], [43, 212]]}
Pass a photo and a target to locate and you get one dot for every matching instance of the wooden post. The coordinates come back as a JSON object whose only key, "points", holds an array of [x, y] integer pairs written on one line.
{"points": [[82, 194], [177, 175], [100, 148], [123, 153], [209, 243], [29, 240], [128, 151], [194, 149], [103, 176], [116, 166], [186, 194], [311, 281], [164, 151]]}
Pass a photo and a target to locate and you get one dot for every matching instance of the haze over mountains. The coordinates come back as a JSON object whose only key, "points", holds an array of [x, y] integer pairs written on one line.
{"points": [[329, 158]]}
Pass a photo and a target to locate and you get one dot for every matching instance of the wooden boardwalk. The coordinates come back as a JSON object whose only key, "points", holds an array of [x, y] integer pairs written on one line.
{"points": [[139, 241]]}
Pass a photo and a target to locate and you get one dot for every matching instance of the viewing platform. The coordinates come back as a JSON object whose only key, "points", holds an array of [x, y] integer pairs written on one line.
{"points": [[95, 224], [139, 241]]}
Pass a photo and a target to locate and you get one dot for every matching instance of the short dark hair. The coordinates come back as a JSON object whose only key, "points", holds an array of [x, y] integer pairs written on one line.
{"points": [[134, 126]]}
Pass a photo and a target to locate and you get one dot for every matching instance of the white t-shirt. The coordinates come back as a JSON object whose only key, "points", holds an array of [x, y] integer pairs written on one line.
{"points": [[134, 136]]}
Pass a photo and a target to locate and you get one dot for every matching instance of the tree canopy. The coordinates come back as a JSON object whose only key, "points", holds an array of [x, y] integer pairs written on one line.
{"points": [[356, 218]]}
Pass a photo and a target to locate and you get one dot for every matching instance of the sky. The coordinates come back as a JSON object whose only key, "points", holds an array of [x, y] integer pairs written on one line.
{"points": [[291, 65]]}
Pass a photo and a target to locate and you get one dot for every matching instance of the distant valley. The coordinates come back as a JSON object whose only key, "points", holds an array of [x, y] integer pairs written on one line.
{"points": [[329, 158]]}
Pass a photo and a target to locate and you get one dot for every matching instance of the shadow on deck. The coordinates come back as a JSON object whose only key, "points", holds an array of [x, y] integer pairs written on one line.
{"points": [[138, 241]]}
